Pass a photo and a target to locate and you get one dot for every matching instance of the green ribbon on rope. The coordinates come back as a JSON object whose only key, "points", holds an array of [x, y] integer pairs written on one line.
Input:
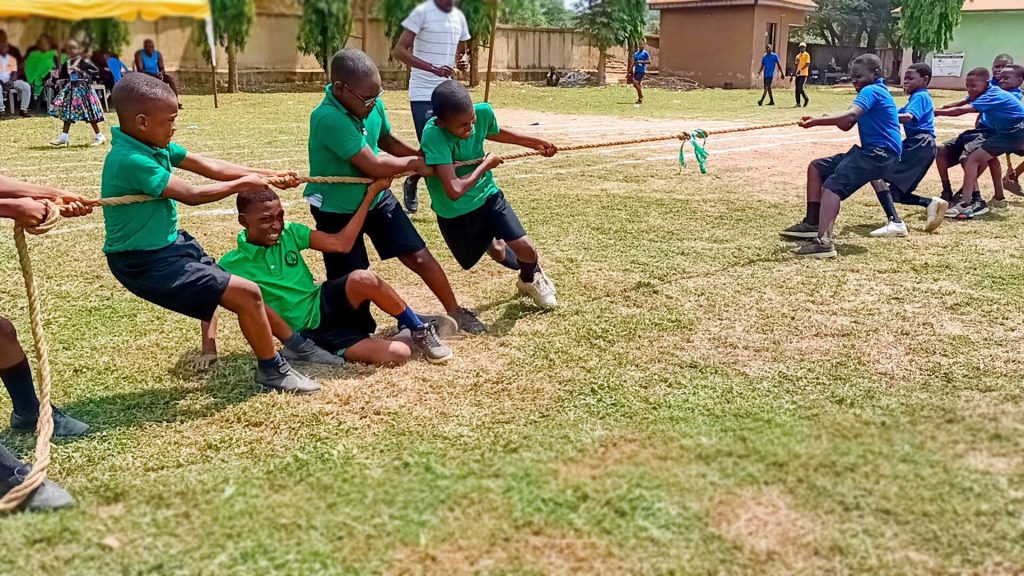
{"points": [[699, 151]]}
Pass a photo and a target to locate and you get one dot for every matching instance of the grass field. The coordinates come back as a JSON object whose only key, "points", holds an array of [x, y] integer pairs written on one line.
{"points": [[702, 402]]}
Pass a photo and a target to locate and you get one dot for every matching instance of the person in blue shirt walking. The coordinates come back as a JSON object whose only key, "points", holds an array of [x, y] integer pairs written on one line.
{"points": [[769, 62], [1004, 120], [918, 119], [832, 180], [641, 58], [149, 61]]}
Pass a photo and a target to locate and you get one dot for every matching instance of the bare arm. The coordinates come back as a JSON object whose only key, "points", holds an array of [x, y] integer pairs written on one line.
{"points": [[456, 187], [506, 136], [70, 204], [955, 110], [462, 56], [781, 71], [138, 61], [24, 211], [906, 118], [192, 195], [956, 104], [224, 171], [160, 63], [403, 53], [844, 121], [385, 166], [392, 145], [343, 241], [760, 69]]}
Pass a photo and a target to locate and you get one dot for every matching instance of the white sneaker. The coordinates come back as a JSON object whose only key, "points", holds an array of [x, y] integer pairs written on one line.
{"points": [[98, 140], [891, 229], [61, 141], [541, 290], [936, 213]]}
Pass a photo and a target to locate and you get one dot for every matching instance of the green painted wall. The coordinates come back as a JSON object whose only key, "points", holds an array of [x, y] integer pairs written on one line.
{"points": [[981, 36]]}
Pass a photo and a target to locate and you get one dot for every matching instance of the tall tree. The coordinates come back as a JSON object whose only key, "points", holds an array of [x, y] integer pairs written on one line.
{"points": [[324, 29], [928, 25], [854, 22], [232, 24], [478, 16], [556, 15], [105, 34], [611, 23]]}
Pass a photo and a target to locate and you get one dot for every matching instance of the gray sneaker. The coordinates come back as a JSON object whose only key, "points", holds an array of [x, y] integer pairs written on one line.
{"points": [[64, 426], [468, 322], [48, 496], [411, 196], [433, 349], [817, 248], [801, 230], [310, 353], [284, 378], [445, 325]]}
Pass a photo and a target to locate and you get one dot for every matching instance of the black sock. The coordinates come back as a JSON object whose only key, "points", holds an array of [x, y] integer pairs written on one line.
{"points": [[18, 380], [911, 199], [509, 261], [527, 270], [275, 362], [295, 341], [947, 188], [813, 209], [976, 197], [885, 199]]}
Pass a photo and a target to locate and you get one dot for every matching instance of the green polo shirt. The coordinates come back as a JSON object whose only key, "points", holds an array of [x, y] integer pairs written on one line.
{"points": [[335, 136], [441, 147], [131, 168], [281, 273]]}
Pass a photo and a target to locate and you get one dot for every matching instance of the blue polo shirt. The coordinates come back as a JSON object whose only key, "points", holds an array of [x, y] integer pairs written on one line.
{"points": [[1000, 110], [879, 125], [921, 108], [640, 67], [769, 61]]}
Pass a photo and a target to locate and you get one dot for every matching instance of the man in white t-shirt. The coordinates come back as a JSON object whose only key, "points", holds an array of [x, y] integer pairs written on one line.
{"points": [[433, 44]]}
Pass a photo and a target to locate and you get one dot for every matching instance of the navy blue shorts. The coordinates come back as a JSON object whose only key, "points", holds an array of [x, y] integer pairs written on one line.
{"points": [[846, 173], [342, 326], [958, 149], [468, 236], [422, 112], [639, 76], [181, 277], [917, 158], [388, 227], [1004, 142]]}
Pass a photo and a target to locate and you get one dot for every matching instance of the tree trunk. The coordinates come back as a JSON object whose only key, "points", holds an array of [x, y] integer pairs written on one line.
{"points": [[602, 62], [872, 42], [474, 62], [232, 68]]}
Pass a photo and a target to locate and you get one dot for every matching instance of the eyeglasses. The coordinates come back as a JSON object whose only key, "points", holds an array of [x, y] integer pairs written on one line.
{"points": [[367, 102]]}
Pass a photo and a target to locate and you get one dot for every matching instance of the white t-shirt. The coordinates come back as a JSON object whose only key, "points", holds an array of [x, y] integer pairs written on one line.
{"points": [[438, 34]]}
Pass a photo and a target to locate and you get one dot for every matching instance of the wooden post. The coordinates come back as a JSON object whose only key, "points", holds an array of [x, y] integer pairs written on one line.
{"points": [[213, 75], [366, 22], [490, 52]]}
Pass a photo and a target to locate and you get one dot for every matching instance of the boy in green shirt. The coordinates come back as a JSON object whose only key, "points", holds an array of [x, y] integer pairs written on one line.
{"points": [[152, 258], [472, 212], [346, 132], [335, 314]]}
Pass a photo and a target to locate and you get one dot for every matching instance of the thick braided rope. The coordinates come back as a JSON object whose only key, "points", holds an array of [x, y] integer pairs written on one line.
{"points": [[44, 428]]}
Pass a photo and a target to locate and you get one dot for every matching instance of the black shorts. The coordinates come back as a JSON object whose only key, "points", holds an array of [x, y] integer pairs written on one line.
{"points": [[768, 81], [1006, 142], [468, 236], [958, 149], [639, 76], [388, 227], [181, 277], [341, 325], [917, 158], [844, 174]]}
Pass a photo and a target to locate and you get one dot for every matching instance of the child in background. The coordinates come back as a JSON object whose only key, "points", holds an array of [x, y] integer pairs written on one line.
{"points": [[769, 62], [472, 212], [918, 119], [117, 68], [1003, 134], [803, 72], [640, 61], [76, 101], [832, 180]]}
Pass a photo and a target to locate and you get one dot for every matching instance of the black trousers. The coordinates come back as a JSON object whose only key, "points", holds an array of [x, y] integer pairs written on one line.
{"points": [[800, 81]]}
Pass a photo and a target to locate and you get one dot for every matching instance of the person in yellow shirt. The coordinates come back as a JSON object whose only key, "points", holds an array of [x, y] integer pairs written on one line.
{"points": [[803, 70]]}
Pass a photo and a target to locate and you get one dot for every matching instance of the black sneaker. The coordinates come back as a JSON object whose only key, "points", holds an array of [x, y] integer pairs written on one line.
{"points": [[468, 322], [48, 496], [760, 102], [64, 426], [817, 248], [979, 207], [409, 193], [310, 353], [801, 230], [433, 349], [284, 378]]}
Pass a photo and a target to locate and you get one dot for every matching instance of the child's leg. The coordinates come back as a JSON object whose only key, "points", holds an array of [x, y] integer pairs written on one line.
{"points": [[67, 126], [426, 267], [245, 299], [363, 286], [379, 351], [500, 253], [527, 256], [814, 191], [95, 127], [973, 167], [830, 203], [16, 373], [942, 154], [768, 87], [885, 198], [997, 178]]}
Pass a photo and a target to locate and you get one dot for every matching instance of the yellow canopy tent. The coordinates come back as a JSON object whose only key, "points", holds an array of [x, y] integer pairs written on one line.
{"points": [[123, 9]]}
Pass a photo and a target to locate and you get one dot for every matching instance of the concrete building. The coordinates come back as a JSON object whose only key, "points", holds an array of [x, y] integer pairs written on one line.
{"points": [[720, 42]]}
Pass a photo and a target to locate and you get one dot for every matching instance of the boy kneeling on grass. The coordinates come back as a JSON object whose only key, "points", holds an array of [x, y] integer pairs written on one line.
{"points": [[159, 263], [472, 212], [336, 314], [26, 205], [1002, 133], [832, 180]]}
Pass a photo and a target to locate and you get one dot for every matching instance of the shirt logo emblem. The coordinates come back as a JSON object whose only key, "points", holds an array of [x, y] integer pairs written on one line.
{"points": [[291, 258]]}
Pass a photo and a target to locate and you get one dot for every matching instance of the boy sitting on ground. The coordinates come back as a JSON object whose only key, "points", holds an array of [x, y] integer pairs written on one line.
{"points": [[1004, 134], [151, 257], [832, 180], [918, 119], [335, 314], [472, 212]]}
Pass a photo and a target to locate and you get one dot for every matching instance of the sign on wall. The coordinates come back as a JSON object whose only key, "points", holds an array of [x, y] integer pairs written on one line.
{"points": [[948, 65]]}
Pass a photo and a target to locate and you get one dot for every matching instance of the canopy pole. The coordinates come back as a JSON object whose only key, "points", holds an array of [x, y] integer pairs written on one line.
{"points": [[490, 53], [366, 22], [213, 58]]}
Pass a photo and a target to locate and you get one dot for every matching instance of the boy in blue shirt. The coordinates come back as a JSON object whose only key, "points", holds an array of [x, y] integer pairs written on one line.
{"points": [[832, 180], [769, 62], [918, 119], [640, 61], [1003, 133]]}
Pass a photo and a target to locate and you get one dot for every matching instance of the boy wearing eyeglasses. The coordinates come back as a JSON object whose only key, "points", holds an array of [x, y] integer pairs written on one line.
{"points": [[346, 133]]}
